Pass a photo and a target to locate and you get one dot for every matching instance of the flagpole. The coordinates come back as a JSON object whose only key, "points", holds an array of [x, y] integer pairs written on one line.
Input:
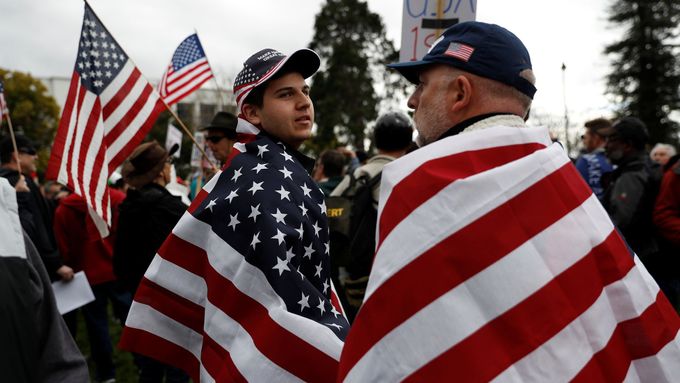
{"points": [[14, 141], [217, 84], [186, 130]]}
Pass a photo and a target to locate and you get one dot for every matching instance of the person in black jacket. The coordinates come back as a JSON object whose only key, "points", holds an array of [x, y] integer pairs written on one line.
{"points": [[146, 218], [34, 213]]}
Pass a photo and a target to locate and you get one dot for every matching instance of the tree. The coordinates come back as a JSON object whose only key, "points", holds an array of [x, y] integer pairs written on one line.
{"points": [[353, 47], [645, 77], [33, 111]]}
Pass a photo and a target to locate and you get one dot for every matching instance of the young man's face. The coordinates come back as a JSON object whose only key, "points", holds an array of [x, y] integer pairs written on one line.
{"points": [[287, 111]]}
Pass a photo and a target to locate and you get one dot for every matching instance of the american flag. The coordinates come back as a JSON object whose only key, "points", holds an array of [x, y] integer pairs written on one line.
{"points": [[460, 51], [3, 104], [109, 109], [496, 262], [187, 71], [241, 290]]}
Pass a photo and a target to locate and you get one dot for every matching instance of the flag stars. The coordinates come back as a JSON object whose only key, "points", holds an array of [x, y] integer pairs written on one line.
{"points": [[259, 167], [303, 209], [335, 312], [280, 237], [301, 231], [317, 229], [257, 186], [286, 173], [304, 302], [231, 196], [302, 276], [322, 207], [328, 248], [321, 306], [256, 240], [261, 150], [233, 221], [211, 204], [283, 193], [281, 265], [286, 156], [279, 216], [254, 212], [290, 254], [319, 268], [326, 285], [334, 325], [309, 250], [237, 174], [306, 190]]}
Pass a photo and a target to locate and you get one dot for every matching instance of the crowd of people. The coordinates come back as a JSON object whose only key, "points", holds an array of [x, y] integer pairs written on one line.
{"points": [[639, 189]]}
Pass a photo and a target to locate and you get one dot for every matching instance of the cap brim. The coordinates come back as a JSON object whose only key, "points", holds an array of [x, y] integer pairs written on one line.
{"points": [[410, 69], [304, 61]]}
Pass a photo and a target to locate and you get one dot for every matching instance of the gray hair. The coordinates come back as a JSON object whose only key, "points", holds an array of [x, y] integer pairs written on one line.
{"points": [[670, 148]]}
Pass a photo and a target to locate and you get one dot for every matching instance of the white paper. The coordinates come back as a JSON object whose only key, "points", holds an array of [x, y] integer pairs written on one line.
{"points": [[72, 294]]}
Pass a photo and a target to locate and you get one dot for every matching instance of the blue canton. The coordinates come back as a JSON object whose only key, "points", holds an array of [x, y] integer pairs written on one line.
{"points": [[189, 50], [266, 207], [100, 58]]}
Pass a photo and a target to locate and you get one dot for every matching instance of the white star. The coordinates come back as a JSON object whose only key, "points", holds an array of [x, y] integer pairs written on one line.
{"points": [[287, 156], [317, 229], [321, 306], [256, 240], [237, 174], [261, 149], [259, 167], [328, 248], [300, 272], [286, 173], [326, 285], [279, 236], [279, 216], [233, 221], [319, 268], [254, 212], [257, 186], [290, 254], [211, 204], [322, 206], [303, 208], [333, 324], [300, 231], [231, 195], [281, 265], [309, 250], [306, 190], [304, 302], [283, 193], [334, 311]]}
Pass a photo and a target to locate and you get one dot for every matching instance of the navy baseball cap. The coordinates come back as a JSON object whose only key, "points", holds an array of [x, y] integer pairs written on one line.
{"points": [[261, 66], [487, 50]]}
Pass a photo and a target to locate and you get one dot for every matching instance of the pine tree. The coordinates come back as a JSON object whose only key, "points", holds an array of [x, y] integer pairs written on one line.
{"points": [[645, 77], [353, 47]]}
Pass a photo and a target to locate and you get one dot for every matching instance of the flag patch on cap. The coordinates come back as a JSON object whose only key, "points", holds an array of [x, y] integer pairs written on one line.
{"points": [[460, 51]]}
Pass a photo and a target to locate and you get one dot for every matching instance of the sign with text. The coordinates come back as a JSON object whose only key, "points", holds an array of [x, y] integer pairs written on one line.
{"points": [[424, 21]]}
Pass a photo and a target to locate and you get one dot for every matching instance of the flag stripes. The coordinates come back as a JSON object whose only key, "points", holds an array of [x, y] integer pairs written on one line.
{"points": [[187, 71]]}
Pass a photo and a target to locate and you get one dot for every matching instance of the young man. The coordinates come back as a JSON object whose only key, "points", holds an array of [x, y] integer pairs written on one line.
{"points": [[495, 261], [594, 163], [250, 262]]}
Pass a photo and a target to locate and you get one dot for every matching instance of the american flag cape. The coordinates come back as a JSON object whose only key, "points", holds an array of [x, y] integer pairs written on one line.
{"points": [[496, 262], [241, 290], [109, 109], [187, 71], [3, 104]]}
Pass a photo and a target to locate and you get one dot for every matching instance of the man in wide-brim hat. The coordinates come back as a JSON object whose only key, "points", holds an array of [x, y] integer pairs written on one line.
{"points": [[220, 135]]}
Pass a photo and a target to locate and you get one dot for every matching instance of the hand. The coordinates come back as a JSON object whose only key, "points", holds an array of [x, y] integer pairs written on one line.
{"points": [[21, 186], [66, 273]]}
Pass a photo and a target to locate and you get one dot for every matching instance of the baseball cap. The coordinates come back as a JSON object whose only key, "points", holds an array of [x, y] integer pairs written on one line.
{"points": [[628, 128], [264, 64], [487, 50]]}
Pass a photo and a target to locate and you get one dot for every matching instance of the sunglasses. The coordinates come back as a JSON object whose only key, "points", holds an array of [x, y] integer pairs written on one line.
{"points": [[214, 139]]}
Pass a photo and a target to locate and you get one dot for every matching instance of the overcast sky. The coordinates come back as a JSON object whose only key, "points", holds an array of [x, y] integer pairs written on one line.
{"points": [[41, 36]]}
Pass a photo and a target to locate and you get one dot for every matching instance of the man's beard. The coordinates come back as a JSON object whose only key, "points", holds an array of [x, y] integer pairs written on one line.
{"points": [[432, 123]]}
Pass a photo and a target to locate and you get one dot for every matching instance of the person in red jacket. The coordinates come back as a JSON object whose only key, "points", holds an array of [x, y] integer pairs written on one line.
{"points": [[666, 218], [83, 249]]}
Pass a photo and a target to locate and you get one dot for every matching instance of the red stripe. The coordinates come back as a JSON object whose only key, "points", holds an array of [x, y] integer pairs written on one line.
{"points": [[184, 254], [185, 93], [194, 73], [434, 175], [217, 361], [130, 115], [57, 155], [197, 201], [540, 205], [176, 307], [117, 99], [106, 200], [525, 327], [138, 137], [633, 339], [69, 159], [85, 143], [143, 342]]}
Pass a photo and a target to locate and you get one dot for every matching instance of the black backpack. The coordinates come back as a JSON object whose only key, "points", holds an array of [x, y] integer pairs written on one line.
{"points": [[352, 221]]}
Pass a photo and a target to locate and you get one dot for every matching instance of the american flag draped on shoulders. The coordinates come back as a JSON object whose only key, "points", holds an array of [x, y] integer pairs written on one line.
{"points": [[3, 104], [109, 109], [496, 262], [187, 71], [241, 289]]}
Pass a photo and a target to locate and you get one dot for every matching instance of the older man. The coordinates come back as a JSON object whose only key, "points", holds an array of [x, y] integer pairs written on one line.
{"points": [[494, 259]]}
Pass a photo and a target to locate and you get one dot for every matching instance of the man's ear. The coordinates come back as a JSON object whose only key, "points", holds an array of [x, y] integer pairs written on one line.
{"points": [[251, 113], [459, 94]]}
